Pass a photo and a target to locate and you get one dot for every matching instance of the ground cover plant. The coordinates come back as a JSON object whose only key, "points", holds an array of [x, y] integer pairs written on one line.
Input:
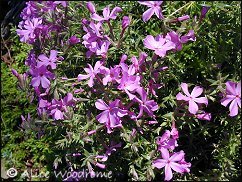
{"points": [[141, 90]]}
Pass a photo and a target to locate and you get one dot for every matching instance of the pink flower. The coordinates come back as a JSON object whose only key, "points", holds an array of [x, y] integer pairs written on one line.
{"points": [[192, 98], [91, 7], [73, 40], [111, 114], [159, 44], [129, 83], [175, 162], [125, 22], [149, 106], [27, 31], [91, 73], [204, 116], [106, 14], [48, 61], [233, 95], [40, 76], [165, 141], [154, 7]]}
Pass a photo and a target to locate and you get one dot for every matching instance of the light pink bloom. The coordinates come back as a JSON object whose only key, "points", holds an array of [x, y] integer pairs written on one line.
{"points": [[192, 98], [204, 116], [111, 114], [175, 162], [233, 95], [91, 73], [48, 61], [165, 141], [91, 7], [154, 7], [159, 44], [107, 14]]}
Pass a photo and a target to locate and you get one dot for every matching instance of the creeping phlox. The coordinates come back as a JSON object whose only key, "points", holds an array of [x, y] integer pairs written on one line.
{"points": [[133, 81]]}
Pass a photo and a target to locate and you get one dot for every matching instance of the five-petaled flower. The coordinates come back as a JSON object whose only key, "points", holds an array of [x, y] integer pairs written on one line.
{"points": [[233, 95], [192, 98], [159, 44], [154, 7], [111, 114], [175, 161]]}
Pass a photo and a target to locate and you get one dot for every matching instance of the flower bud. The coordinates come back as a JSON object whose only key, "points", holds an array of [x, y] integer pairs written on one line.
{"points": [[102, 166], [125, 22], [204, 12], [91, 7], [73, 40], [15, 73], [183, 18]]}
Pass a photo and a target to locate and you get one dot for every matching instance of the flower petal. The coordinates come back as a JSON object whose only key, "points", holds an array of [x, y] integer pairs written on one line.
{"points": [[177, 167], [196, 91], [230, 87], [147, 14], [102, 117], [177, 156], [165, 153], [45, 83], [238, 89], [233, 108], [184, 87], [101, 105], [180, 96], [159, 163], [201, 100], [168, 173], [225, 101], [193, 107]]}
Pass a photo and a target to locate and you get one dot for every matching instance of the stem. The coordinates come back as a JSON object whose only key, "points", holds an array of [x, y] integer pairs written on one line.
{"points": [[111, 29], [120, 38], [181, 8]]}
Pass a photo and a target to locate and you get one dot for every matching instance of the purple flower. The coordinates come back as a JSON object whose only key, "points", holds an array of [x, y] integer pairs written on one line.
{"points": [[129, 83], [30, 11], [91, 73], [111, 75], [102, 49], [159, 44], [192, 98], [165, 141], [138, 65], [183, 18], [111, 114], [106, 14], [152, 86], [40, 76], [91, 7], [48, 61], [73, 40], [154, 7], [233, 95], [204, 12], [190, 36], [175, 38], [56, 109], [149, 106], [175, 161], [125, 22], [204, 116], [27, 31]]}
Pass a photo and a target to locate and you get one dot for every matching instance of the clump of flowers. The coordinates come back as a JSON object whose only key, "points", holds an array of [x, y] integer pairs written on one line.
{"points": [[117, 99]]}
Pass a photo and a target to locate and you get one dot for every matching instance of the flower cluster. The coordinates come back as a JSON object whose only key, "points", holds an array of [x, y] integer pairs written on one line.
{"points": [[122, 93]]}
